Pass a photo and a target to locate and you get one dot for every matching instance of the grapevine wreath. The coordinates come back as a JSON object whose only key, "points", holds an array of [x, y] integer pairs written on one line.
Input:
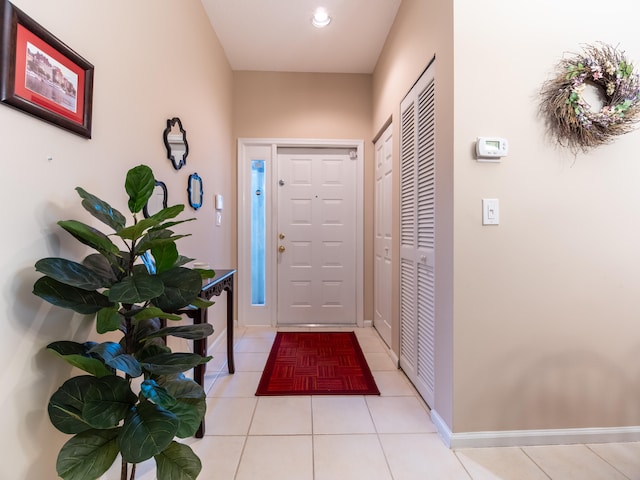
{"points": [[571, 118]]}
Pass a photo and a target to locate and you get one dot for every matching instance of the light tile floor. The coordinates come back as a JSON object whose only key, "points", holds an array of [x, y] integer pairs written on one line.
{"points": [[390, 437]]}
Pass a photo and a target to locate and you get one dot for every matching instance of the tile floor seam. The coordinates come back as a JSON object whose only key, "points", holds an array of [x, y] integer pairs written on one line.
{"points": [[237, 469], [535, 463], [607, 461], [464, 467], [313, 451], [386, 458]]}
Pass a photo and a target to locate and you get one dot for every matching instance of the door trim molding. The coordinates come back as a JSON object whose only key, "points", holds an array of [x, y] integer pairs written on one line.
{"points": [[248, 315]]}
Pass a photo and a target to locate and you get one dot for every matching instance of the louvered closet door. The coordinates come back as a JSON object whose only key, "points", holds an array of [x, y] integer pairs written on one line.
{"points": [[417, 235]]}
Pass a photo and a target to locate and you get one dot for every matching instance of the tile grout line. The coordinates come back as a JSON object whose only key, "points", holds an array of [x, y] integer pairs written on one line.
{"points": [[606, 461], [246, 436], [464, 467], [313, 442], [535, 463]]}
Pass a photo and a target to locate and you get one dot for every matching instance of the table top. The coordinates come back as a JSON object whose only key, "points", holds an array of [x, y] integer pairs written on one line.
{"points": [[217, 278]]}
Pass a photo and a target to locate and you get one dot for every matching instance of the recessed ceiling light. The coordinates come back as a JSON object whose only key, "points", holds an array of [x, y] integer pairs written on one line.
{"points": [[320, 18]]}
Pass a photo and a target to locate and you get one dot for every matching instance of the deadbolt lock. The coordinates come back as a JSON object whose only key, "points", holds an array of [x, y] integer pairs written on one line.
{"points": [[281, 236]]}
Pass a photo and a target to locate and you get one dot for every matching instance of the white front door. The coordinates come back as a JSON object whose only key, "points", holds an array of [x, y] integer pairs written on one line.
{"points": [[316, 236], [382, 235]]}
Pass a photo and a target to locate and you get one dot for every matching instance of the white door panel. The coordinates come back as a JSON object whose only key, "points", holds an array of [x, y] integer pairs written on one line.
{"points": [[417, 235], [316, 238], [383, 237]]}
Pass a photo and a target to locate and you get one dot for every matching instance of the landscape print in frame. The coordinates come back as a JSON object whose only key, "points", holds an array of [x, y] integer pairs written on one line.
{"points": [[42, 76]]}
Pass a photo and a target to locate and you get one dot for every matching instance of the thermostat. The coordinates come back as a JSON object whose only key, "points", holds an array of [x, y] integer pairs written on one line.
{"points": [[491, 148]]}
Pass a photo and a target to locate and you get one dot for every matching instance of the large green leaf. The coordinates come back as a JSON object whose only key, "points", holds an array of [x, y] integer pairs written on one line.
{"points": [[190, 332], [143, 329], [65, 296], [170, 212], [154, 312], [178, 462], [173, 224], [101, 210], [190, 412], [153, 238], [139, 185], [136, 231], [170, 363], [88, 455], [137, 288], [108, 320], [79, 355], [201, 303], [90, 236], [191, 403], [157, 394], [181, 387], [102, 266], [70, 273], [182, 260], [148, 429], [67, 403], [181, 287], [152, 223], [107, 401], [115, 356], [206, 273], [166, 256], [150, 350]]}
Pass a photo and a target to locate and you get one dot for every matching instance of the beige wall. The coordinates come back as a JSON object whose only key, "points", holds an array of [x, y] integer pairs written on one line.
{"points": [[147, 69], [546, 304], [312, 106]]}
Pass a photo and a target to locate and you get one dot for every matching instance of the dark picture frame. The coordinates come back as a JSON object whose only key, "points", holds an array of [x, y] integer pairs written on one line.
{"points": [[42, 76], [152, 207]]}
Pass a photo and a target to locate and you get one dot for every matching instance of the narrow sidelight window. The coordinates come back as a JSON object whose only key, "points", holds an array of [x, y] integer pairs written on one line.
{"points": [[258, 233]]}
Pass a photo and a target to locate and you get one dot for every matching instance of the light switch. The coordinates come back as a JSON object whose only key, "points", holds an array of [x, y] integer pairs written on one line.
{"points": [[490, 211]]}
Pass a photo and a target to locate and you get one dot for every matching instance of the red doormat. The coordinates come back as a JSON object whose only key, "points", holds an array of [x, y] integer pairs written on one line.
{"points": [[316, 363]]}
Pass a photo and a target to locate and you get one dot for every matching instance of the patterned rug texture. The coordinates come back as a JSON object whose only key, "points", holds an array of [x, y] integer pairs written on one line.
{"points": [[316, 363]]}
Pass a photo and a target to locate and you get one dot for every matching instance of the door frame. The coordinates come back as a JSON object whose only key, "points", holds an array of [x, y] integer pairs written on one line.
{"points": [[267, 149]]}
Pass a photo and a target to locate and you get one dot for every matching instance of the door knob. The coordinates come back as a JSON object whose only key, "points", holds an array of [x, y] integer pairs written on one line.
{"points": [[281, 248]]}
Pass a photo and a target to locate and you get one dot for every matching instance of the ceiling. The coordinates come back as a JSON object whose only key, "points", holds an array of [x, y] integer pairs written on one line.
{"points": [[277, 35]]}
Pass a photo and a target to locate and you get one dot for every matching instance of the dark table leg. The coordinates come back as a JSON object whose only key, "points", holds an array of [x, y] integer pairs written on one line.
{"points": [[230, 362], [200, 348]]}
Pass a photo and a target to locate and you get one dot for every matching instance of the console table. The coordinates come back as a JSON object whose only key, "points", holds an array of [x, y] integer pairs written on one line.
{"points": [[222, 281]]}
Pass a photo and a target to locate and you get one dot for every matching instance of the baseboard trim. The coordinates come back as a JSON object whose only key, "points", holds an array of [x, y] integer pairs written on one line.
{"points": [[524, 438], [394, 358]]}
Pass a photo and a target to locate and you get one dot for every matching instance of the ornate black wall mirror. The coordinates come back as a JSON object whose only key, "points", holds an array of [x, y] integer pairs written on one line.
{"points": [[195, 190], [157, 201], [175, 139]]}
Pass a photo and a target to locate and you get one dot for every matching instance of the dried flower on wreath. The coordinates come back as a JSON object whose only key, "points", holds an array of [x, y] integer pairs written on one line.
{"points": [[571, 118]]}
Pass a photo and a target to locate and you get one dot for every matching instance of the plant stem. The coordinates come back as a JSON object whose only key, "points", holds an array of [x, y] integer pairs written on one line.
{"points": [[123, 470], [133, 472]]}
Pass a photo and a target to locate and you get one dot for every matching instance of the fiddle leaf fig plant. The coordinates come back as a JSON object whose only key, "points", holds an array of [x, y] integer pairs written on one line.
{"points": [[132, 399]]}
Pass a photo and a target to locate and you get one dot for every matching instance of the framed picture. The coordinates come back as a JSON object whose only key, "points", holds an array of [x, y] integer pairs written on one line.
{"points": [[42, 76]]}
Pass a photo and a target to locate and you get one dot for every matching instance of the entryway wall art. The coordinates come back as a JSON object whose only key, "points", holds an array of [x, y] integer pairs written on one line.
{"points": [[572, 120], [42, 76]]}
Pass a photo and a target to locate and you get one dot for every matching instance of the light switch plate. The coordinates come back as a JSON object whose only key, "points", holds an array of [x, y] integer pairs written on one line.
{"points": [[490, 211]]}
